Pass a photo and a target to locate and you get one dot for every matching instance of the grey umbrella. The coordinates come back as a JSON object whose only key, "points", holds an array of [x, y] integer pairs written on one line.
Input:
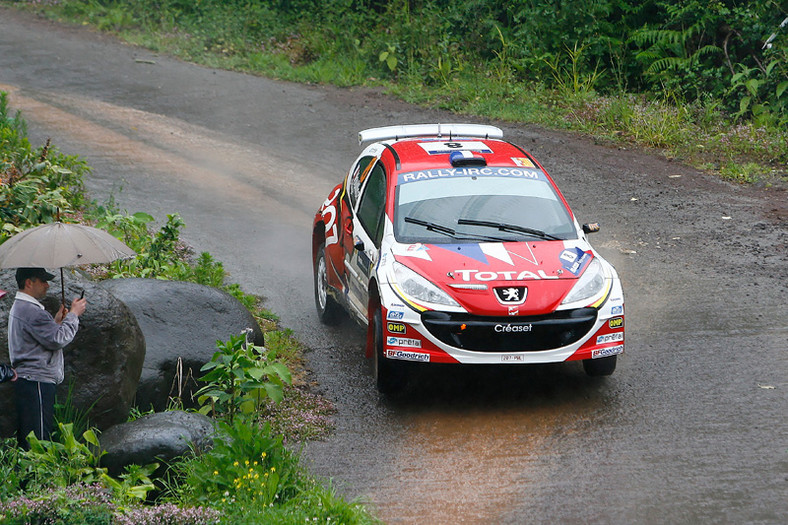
{"points": [[58, 244]]}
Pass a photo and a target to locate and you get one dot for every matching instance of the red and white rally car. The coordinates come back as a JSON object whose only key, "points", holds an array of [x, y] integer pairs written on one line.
{"points": [[453, 245]]}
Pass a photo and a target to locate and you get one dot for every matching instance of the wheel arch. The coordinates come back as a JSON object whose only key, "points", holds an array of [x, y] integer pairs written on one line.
{"points": [[372, 306]]}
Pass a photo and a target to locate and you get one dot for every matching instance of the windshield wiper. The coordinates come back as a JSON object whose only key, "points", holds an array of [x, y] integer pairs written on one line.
{"points": [[431, 226], [449, 232], [502, 226]]}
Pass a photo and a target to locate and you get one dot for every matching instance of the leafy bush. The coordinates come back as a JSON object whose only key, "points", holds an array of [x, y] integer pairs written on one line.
{"points": [[36, 186], [240, 377]]}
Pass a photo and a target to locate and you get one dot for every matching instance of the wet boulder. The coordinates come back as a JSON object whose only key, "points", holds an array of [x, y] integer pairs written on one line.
{"points": [[181, 322], [102, 364], [159, 437]]}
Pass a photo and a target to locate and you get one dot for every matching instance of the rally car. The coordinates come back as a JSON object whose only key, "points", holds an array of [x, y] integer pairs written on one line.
{"points": [[452, 245]]}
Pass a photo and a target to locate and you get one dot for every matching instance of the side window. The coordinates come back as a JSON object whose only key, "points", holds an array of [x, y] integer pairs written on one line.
{"points": [[357, 178], [373, 204]]}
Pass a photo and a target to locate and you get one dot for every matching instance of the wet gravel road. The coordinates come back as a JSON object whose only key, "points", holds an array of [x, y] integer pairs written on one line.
{"points": [[692, 426]]}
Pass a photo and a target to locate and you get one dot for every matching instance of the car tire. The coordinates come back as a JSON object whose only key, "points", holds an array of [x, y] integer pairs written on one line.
{"points": [[600, 367], [390, 377], [328, 311]]}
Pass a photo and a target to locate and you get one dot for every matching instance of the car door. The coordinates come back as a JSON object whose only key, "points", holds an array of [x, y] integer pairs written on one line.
{"points": [[367, 232]]}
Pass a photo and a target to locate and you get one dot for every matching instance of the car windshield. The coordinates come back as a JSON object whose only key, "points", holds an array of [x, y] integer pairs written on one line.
{"points": [[479, 204]]}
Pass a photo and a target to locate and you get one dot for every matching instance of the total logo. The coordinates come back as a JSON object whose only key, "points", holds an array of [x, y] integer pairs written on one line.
{"points": [[403, 341], [476, 275]]}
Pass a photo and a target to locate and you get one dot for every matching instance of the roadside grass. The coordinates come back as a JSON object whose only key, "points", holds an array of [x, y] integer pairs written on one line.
{"points": [[697, 133]]}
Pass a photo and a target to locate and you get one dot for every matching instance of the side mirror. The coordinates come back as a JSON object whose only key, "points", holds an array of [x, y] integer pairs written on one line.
{"points": [[359, 245], [591, 228]]}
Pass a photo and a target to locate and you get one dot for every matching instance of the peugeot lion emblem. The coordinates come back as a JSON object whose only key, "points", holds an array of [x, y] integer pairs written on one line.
{"points": [[509, 295]]}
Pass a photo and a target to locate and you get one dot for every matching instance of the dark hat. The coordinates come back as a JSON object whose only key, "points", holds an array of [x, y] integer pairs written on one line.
{"points": [[29, 273]]}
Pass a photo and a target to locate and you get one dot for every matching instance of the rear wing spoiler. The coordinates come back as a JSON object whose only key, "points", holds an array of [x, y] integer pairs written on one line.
{"points": [[429, 130]]}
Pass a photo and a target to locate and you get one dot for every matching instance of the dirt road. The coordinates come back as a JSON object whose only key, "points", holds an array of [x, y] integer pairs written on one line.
{"points": [[691, 428]]}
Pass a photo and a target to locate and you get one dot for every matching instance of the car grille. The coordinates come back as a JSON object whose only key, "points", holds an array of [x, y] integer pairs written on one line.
{"points": [[510, 334]]}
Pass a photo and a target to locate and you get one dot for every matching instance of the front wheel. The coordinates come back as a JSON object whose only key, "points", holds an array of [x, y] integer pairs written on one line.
{"points": [[600, 367], [328, 311], [390, 376]]}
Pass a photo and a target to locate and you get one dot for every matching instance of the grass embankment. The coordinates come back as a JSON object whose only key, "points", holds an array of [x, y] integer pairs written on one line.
{"points": [[256, 395], [694, 86]]}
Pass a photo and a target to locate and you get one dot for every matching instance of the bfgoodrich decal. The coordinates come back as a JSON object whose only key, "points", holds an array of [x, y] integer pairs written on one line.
{"points": [[408, 356], [607, 352]]}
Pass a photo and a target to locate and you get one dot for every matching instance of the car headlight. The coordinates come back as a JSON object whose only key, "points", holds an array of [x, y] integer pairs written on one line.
{"points": [[418, 288], [590, 284]]}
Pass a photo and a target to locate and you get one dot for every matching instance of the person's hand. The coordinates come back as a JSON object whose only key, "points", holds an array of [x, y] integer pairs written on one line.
{"points": [[78, 306], [61, 314], [15, 376]]}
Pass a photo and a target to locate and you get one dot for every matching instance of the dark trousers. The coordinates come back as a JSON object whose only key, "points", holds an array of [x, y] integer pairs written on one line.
{"points": [[35, 408]]}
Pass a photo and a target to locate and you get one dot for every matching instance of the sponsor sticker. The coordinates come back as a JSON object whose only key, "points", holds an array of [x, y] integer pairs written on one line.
{"points": [[607, 352], [610, 338], [396, 328], [512, 328], [523, 161], [438, 148], [616, 322], [574, 260], [513, 310], [395, 315], [617, 310], [403, 341], [408, 356]]}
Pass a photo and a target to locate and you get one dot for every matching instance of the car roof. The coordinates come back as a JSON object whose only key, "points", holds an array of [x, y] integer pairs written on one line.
{"points": [[421, 153]]}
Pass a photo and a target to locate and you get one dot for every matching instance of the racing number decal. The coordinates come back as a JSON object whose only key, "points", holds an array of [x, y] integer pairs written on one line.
{"points": [[331, 223], [453, 145]]}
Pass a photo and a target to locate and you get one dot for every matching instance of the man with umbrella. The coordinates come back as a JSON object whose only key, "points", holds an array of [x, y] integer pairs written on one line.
{"points": [[35, 345]]}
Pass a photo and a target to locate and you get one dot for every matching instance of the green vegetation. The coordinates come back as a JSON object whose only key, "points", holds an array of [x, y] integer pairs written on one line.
{"points": [[704, 82], [250, 475]]}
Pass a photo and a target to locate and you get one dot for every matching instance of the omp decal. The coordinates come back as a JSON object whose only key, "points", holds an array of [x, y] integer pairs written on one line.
{"points": [[408, 356], [331, 223], [396, 315], [521, 173], [616, 322], [607, 352], [575, 260], [610, 338], [396, 328], [403, 341], [438, 148], [524, 162]]}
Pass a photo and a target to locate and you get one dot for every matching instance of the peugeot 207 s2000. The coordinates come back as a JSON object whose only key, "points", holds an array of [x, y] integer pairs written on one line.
{"points": [[452, 245]]}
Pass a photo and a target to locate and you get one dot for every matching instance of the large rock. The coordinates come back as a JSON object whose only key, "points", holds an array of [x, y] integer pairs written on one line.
{"points": [[104, 361], [179, 320], [159, 437]]}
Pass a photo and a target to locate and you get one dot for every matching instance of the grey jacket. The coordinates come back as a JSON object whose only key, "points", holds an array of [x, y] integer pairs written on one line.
{"points": [[36, 341]]}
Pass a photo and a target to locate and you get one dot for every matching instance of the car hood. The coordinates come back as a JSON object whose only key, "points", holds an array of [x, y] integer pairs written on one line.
{"points": [[509, 278]]}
